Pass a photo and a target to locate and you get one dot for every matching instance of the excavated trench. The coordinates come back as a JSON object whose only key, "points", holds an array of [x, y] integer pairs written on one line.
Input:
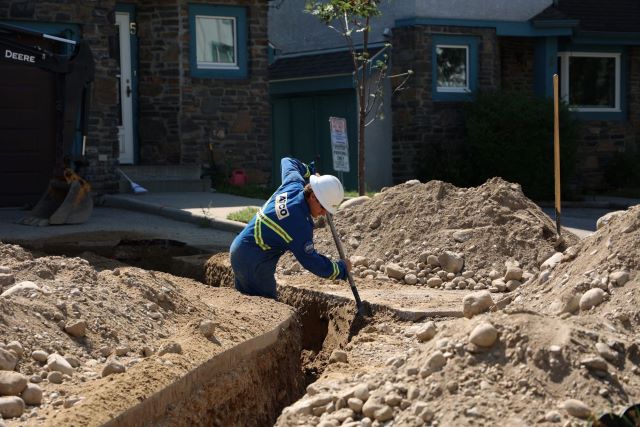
{"points": [[254, 382]]}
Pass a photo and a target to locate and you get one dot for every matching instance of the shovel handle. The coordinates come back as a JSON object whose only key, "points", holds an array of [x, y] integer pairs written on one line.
{"points": [[352, 284]]}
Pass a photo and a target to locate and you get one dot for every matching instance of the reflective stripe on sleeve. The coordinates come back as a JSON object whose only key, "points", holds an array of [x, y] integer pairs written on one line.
{"points": [[257, 235], [336, 270], [274, 227]]}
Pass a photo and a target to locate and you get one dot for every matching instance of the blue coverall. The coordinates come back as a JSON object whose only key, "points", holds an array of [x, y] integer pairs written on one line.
{"points": [[284, 223]]}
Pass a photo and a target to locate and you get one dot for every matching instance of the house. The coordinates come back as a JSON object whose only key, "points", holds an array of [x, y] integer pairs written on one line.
{"points": [[175, 85], [457, 49]]}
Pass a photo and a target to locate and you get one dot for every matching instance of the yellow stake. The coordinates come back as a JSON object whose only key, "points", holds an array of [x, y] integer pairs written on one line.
{"points": [[556, 149]]}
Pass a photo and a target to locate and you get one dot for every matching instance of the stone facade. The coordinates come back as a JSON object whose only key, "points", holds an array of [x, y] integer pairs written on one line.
{"points": [[602, 140], [516, 63], [179, 116], [422, 126], [96, 28]]}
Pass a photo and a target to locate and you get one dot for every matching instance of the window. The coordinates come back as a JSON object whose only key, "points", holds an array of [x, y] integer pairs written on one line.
{"points": [[455, 64], [590, 82], [218, 46], [452, 63]]}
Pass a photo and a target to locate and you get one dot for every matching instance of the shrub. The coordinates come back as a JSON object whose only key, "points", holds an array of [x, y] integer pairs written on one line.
{"points": [[623, 173], [510, 134]]}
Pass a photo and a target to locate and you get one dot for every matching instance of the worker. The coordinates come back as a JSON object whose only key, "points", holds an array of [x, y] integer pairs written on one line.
{"points": [[285, 223]]}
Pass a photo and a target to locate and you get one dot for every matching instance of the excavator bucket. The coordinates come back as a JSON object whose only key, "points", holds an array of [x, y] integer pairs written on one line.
{"points": [[66, 201]]}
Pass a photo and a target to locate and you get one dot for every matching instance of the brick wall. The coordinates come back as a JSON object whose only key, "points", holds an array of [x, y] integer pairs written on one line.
{"points": [[180, 115], [93, 20], [516, 63], [601, 140], [418, 121]]}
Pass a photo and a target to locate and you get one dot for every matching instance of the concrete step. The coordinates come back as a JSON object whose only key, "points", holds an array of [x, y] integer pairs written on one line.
{"points": [[165, 178]]}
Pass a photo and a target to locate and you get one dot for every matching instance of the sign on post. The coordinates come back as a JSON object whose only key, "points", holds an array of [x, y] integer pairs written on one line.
{"points": [[339, 144]]}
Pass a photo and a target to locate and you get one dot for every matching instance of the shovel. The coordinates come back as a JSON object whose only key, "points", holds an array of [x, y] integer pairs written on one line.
{"points": [[137, 189], [362, 310]]}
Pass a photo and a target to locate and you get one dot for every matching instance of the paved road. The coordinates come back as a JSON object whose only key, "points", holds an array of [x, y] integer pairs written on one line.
{"points": [[581, 221]]}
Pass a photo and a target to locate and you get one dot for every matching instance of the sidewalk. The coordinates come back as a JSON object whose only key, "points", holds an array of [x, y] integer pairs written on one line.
{"points": [[195, 207]]}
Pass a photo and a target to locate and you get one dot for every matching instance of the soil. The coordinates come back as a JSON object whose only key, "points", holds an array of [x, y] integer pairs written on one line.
{"points": [[557, 345], [132, 317]]}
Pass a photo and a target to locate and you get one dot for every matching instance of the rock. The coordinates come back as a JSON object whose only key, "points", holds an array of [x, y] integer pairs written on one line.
{"points": [[476, 303], [513, 273], [595, 363], [434, 363], [338, 356], [122, 350], [619, 278], [591, 298], [451, 262], [173, 347], [371, 406], [606, 352], [383, 414], [426, 331], [55, 377], [553, 417], [16, 348], [512, 285], [8, 361], [361, 391], [358, 260], [26, 285], [7, 279], [462, 236], [434, 282], [11, 406], [113, 367], [606, 219], [350, 203], [410, 279], [207, 328], [375, 222], [576, 408], [76, 328], [484, 335], [552, 261], [568, 303], [355, 404], [56, 362], [32, 395], [12, 383], [394, 271], [432, 260], [342, 414]]}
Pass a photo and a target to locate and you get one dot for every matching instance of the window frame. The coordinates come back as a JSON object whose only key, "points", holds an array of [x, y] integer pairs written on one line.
{"points": [[453, 89], [470, 44], [238, 14], [565, 57]]}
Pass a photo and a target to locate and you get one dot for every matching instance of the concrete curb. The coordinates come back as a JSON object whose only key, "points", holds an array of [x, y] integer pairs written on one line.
{"points": [[172, 213], [593, 204]]}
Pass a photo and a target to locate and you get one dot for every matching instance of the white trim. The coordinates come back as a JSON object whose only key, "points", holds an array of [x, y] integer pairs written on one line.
{"points": [[448, 89], [202, 65], [565, 70]]}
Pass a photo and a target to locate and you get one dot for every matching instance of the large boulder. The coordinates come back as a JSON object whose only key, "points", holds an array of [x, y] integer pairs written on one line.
{"points": [[451, 262]]}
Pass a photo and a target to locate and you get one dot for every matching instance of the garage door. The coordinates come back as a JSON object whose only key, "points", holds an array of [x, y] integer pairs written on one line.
{"points": [[27, 133], [301, 129]]}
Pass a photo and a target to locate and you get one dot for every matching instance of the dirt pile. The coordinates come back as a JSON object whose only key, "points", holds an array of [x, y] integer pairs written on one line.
{"points": [[562, 349], [441, 236], [599, 274], [81, 342], [515, 369]]}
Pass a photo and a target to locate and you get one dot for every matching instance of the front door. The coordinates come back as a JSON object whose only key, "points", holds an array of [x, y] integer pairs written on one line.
{"points": [[125, 129]]}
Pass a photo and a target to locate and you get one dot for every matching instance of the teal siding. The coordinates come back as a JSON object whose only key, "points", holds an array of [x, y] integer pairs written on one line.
{"points": [[301, 130]]}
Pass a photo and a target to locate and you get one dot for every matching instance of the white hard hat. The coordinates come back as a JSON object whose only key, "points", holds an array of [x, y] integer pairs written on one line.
{"points": [[328, 190]]}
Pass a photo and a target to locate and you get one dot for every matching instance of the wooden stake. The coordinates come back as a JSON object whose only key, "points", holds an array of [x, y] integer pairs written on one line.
{"points": [[556, 149]]}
